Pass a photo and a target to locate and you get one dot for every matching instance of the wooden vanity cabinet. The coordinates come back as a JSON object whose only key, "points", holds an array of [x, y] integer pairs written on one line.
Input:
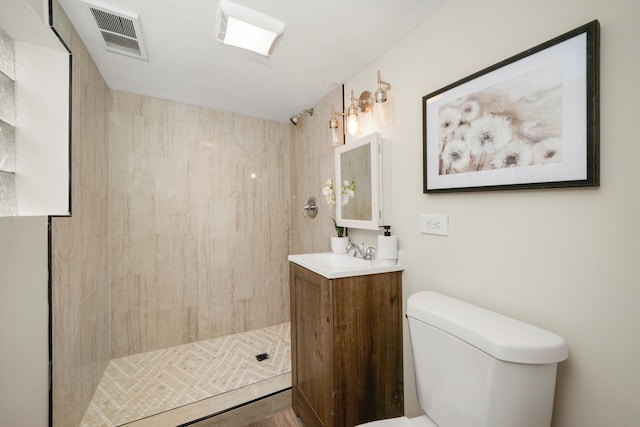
{"points": [[346, 348]]}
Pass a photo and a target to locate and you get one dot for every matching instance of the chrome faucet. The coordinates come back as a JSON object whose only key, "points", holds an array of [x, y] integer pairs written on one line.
{"points": [[370, 253], [358, 252]]}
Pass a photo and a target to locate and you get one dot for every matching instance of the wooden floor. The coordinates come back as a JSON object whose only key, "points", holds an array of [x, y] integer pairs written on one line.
{"points": [[272, 411], [285, 418]]}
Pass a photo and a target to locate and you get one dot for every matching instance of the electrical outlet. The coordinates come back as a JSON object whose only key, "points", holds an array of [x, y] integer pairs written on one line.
{"points": [[434, 224]]}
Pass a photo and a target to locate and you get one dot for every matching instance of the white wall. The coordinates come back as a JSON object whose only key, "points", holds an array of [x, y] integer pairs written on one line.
{"points": [[24, 320], [564, 259]]}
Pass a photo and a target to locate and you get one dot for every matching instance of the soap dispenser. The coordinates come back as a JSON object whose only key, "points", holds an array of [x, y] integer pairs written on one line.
{"points": [[387, 245]]}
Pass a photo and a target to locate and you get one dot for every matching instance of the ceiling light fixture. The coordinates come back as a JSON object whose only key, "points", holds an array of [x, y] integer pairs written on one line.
{"points": [[296, 119], [378, 102], [248, 29]]}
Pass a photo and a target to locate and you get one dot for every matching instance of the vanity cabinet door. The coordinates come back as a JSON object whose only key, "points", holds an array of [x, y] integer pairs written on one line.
{"points": [[312, 363], [368, 348]]}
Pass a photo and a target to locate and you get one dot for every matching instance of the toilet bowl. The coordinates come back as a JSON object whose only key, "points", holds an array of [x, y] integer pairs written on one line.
{"points": [[422, 421], [477, 368]]}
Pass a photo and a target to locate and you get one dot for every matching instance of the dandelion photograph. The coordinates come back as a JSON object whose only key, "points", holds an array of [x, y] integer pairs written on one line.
{"points": [[502, 126], [530, 121]]}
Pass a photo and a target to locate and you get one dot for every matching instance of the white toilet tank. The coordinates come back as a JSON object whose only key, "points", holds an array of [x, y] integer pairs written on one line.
{"points": [[477, 368]]}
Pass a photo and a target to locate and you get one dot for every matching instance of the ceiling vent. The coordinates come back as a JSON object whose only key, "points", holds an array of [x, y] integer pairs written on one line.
{"points": [[120, 30]]}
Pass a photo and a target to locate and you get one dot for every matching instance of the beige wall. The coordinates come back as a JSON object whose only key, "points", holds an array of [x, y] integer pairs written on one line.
{"points": [[564, 259], [312, 162], [81, 330], [199, 216]]}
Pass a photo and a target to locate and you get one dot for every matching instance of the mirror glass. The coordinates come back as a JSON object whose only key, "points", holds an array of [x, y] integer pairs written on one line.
{"points": [[355, 170]]}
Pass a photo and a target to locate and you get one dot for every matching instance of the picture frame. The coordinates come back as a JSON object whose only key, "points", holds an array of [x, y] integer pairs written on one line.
{"points": [[530, 121]]}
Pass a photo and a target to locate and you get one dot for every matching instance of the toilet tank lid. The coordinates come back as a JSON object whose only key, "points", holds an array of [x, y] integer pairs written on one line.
{"points": [[500, 336]]}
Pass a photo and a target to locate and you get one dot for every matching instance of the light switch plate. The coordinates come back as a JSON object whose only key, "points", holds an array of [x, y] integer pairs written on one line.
{"points": [[434, 224]]}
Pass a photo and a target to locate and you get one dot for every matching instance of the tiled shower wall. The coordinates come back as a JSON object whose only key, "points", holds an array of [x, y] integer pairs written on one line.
{"points": [[199, 223], [80, 251], [312, 163]]}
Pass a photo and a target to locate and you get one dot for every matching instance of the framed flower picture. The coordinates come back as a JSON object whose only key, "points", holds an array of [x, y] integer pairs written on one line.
{"points": [[530, 121]]}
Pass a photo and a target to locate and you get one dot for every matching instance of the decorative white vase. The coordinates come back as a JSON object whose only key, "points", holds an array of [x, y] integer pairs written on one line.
{"points": [[339, 244]]}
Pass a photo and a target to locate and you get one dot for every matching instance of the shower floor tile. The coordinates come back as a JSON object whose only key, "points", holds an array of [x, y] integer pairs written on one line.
{"points": [[187, 382]]}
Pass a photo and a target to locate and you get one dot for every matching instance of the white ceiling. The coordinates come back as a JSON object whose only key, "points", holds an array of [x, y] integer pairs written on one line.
{"points": [[325, 43]]}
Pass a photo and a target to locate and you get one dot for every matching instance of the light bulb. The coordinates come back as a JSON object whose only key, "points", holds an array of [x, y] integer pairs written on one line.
{"points": [[334, 125], [352, 119], [352, 124], [335, 138]]}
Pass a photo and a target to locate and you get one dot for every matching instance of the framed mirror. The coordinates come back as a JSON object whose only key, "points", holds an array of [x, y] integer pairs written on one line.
{"points": [[361, 176]]}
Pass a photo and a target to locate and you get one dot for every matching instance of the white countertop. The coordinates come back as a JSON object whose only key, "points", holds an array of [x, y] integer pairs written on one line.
{"points": [[334, 266]]}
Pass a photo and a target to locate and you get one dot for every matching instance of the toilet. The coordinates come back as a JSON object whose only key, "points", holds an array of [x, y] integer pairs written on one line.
{"points": [[477, 368]]}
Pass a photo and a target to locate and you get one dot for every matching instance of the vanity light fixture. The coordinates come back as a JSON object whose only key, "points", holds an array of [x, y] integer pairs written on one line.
{"points": [[334, 128], [246, 28], [352, 115], [380, 95], [377, 102], [382, 108], [352, 120]]}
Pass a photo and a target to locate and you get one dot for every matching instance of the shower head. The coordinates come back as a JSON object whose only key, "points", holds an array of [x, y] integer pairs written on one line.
{"points": [[296, 119]]}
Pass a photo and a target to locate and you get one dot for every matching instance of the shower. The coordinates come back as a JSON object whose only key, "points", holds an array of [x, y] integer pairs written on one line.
{"points": [[296, 119]]}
